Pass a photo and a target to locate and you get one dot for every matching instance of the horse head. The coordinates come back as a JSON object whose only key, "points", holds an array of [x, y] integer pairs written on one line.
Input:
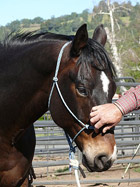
{"points": [[86, 79]]}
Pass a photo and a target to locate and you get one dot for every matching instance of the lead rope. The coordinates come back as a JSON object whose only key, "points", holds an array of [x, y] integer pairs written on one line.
{"points": [[73, 163]]}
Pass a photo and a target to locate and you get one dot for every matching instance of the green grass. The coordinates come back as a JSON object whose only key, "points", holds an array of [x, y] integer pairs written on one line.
{"points": [[45, 117], [137, 170], [62, 170]]}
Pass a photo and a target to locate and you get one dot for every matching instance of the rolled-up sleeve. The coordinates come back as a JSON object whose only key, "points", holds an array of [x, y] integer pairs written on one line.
{"points": [[130, 100]]}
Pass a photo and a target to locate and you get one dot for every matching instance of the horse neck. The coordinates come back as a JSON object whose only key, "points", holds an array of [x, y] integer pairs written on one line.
{"points": [[33, 70]]}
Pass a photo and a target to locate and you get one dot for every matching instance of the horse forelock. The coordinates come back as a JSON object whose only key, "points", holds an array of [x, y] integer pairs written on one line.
{"points": [[96, 56]]}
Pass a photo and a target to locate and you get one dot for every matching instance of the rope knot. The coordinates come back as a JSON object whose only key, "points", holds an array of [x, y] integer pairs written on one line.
{"points": [[55, 79], [87, 126], [74, 163]]}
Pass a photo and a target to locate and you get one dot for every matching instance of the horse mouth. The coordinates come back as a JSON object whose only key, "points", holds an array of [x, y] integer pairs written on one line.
{"points": [[100, 163]]}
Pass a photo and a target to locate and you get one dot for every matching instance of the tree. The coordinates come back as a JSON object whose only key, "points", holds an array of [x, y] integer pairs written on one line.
{"points": [[3, 32], [25, 23], [14, 25], [106, 8], [37, 20]]}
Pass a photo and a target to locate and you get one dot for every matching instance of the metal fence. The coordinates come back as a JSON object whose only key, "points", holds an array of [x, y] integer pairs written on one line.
{"points": [[52, 148]]}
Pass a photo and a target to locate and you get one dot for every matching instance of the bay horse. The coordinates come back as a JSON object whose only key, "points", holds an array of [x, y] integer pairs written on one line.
{"points": [[85, 78]]}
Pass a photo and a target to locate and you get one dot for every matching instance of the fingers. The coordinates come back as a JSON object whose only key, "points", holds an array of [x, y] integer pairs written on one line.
{"points": [[94, 119], [98, 119], [106, 129], [94, 108], [92, 114], [98, 125]]}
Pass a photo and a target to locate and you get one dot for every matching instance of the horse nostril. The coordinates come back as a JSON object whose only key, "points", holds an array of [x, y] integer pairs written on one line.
{"points": [[102, 162]]}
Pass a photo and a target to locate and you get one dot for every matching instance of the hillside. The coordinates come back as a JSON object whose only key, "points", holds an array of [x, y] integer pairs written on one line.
{"points": [[127, 29]]}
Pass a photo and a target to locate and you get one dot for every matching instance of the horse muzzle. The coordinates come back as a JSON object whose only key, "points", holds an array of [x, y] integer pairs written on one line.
{"points": [[100, 162]]}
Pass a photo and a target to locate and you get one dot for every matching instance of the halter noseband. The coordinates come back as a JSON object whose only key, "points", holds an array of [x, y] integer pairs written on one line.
{"points": [[55, 83]]}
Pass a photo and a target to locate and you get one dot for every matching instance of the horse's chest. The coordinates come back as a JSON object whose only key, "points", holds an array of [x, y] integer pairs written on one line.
{"points": [[9, 157], [12, 165]]}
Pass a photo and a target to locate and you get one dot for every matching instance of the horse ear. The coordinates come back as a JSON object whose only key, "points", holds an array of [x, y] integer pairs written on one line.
{"points": [[80, 40], [100, 35]]}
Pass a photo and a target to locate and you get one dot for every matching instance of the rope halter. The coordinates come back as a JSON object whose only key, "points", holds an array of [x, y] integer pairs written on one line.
{"points": [[73, 162]]}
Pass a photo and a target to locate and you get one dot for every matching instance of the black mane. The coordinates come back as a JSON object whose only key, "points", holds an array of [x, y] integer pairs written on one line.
{"points": [[101, 60], [32, 37], [93, 48]]}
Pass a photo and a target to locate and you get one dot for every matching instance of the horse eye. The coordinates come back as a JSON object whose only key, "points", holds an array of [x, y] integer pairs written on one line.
{"points": [[82, 91]]}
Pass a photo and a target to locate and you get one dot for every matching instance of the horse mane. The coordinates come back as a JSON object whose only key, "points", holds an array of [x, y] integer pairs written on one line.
{"points": [[22, 38], [93, 48], [101, 60]]}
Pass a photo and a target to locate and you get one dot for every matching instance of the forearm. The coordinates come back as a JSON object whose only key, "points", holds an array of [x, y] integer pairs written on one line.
{"points": [[130, 100]]}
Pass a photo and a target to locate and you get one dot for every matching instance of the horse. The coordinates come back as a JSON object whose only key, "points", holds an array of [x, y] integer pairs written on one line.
{"points": [[28, 88]]}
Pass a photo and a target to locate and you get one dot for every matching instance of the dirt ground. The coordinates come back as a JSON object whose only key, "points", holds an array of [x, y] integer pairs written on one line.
{"points": [[113, 173]]}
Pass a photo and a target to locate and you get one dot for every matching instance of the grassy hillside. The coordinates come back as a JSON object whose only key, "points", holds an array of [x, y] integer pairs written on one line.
{"points": [[127, 27]]}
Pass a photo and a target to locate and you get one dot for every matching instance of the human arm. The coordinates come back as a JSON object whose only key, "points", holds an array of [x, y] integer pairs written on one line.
{"points": [[130, 100], [110, 114]]}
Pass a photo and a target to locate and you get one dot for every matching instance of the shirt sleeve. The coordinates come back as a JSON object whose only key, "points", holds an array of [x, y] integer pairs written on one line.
{"points": [[130, 100]]}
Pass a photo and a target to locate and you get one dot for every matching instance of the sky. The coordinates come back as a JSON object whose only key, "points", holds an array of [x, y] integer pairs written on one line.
{"points": [[11, 10]]}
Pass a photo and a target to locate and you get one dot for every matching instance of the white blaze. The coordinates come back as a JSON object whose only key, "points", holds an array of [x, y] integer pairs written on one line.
{"points": [[114, 155], [105, 82]]}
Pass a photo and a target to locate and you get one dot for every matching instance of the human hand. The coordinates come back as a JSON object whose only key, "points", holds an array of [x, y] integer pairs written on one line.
{"points": [[107, 114]]}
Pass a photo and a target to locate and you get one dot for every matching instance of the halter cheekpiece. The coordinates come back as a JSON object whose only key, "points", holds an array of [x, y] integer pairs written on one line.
{"points": [[55, 83]]}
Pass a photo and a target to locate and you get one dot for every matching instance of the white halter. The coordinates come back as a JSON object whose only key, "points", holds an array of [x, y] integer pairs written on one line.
{"points": [[55, 83]]}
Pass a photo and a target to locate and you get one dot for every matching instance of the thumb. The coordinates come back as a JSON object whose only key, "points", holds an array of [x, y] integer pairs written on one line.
{"points": [[105, 129]]}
